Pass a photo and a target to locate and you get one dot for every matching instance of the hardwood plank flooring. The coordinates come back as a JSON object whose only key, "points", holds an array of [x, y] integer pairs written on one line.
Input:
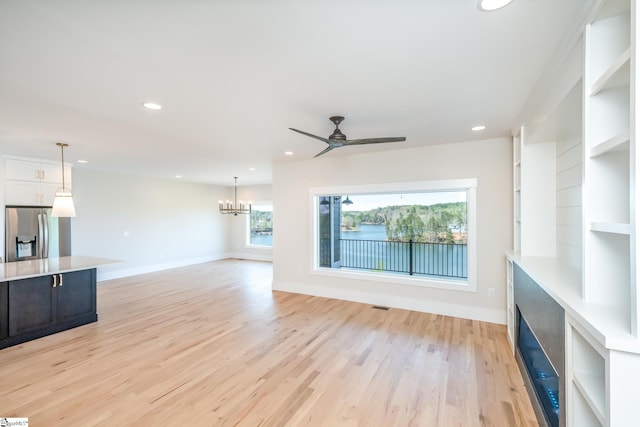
{"points": [[212, 345]]}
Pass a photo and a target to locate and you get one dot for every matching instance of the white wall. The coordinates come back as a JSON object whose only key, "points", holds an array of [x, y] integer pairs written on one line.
{"points": [[169, 222], [489, 161], [569, 180]]}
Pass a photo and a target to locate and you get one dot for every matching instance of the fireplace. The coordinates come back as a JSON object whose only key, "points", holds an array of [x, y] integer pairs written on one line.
{"points": [[539, 322], [543, 377]]}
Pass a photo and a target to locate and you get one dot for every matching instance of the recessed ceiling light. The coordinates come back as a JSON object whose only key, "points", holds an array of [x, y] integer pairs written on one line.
{"points": [[478, 128], [252, 169], [288, 153], [178, 176], [489, 5], [82, 161], [152, 106]]}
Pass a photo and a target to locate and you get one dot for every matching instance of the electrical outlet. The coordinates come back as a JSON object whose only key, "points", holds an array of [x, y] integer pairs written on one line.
{"points": [[491, 292]]}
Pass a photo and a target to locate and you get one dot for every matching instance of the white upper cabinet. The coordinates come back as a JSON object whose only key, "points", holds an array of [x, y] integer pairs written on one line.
{"points": [[33, 182]]}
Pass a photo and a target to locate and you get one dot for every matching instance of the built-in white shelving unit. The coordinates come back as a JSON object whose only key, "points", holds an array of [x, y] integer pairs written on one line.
{"points": [[591, 272], [511, 316], [609, 172], [517, 183]]}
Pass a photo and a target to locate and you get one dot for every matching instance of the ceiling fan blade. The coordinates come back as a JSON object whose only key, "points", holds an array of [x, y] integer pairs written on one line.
{"points": [[326, 150], [374, 140], [328, 141]]}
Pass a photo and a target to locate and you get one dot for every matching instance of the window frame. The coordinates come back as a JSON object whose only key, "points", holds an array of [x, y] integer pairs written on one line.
{"points": [[465, 184], [247, 227]]}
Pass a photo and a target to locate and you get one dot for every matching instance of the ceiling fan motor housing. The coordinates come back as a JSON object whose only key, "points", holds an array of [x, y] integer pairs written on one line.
{"points": [[337, 134]]}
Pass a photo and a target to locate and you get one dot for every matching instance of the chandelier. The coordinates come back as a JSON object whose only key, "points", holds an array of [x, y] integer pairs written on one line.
{"points": [[238, 206]]}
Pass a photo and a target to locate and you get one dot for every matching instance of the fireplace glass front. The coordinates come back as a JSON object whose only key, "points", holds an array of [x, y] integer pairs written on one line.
{"points": [[541, 373]]}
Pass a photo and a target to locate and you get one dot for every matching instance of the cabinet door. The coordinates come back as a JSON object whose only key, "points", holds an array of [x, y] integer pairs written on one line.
{"points": [[4, 310], [48, 192], [76, 295], [23, 193], [52, 173], [30, 305], [22, 170]]}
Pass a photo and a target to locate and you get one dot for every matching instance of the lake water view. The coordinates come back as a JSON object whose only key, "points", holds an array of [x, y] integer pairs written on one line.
{"points": [[262, 239], [368, 248], [367, 232]]}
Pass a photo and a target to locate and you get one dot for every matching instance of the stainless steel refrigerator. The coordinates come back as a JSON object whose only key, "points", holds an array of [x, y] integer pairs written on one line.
{"points": [[31, 233]]}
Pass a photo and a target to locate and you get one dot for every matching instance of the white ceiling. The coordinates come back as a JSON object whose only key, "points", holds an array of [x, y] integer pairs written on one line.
{"points": [[234, 75]]}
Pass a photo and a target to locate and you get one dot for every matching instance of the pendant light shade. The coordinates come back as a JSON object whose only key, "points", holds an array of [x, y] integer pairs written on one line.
{"points": [[63, 201]]}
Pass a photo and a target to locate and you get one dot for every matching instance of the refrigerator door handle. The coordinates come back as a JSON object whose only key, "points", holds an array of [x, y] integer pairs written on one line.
{"points": [[45, 236], [40, 234]]}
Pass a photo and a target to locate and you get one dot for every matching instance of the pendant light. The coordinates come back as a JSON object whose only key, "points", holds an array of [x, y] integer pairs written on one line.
{"points": [[63, 201], [238, 206]]}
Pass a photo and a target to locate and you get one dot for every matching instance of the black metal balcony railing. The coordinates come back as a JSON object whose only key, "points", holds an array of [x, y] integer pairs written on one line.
{"points": [[431, 259]]}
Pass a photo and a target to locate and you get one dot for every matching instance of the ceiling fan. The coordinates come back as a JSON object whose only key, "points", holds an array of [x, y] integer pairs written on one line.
{"points": [[338, 139]]}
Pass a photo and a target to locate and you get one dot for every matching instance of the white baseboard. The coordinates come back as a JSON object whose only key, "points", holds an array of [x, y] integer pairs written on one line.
{"points": [[251, 256], [134, 271], [396, 301]]}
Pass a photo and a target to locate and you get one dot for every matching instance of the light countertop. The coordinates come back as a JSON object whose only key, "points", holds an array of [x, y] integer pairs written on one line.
{"points": [[42, 267], [609, 325]]}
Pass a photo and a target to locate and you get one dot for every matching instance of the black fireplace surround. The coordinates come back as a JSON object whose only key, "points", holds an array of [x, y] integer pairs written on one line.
{"points": [[540, 348]]}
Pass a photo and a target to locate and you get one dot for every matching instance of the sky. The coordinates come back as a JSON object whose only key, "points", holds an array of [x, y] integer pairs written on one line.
{"points": [[365, 202]]}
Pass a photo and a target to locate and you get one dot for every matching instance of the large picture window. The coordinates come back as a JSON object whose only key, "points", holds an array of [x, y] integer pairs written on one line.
{"points": [[421, 232]]}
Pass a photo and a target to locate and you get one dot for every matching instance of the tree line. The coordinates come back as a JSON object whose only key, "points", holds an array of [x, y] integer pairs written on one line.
{"points": [[438, 223], [261, 220]]}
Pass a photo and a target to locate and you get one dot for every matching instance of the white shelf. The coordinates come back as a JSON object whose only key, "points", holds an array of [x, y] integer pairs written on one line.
{"points": [[616, 143], [586, 365], [608, 185], [617, 75], [607, 41], [611, 227], [608, 115], [592, 389], [582, 415]]}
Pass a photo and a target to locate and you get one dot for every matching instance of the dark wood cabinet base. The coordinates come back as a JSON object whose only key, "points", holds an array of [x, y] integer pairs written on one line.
{"points": [[44, 305], [59, 327]]}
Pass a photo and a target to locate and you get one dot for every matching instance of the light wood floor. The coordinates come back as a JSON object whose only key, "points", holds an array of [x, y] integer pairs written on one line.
{"points": [[212, 345]]}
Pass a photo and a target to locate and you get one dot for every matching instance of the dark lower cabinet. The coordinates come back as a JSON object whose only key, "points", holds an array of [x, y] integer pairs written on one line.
{"points": [[4, 311], [44, 305], [30, 305], [76, 295]]}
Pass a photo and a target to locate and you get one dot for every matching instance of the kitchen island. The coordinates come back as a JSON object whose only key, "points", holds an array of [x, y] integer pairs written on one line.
{"points": [[44, 296]]}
